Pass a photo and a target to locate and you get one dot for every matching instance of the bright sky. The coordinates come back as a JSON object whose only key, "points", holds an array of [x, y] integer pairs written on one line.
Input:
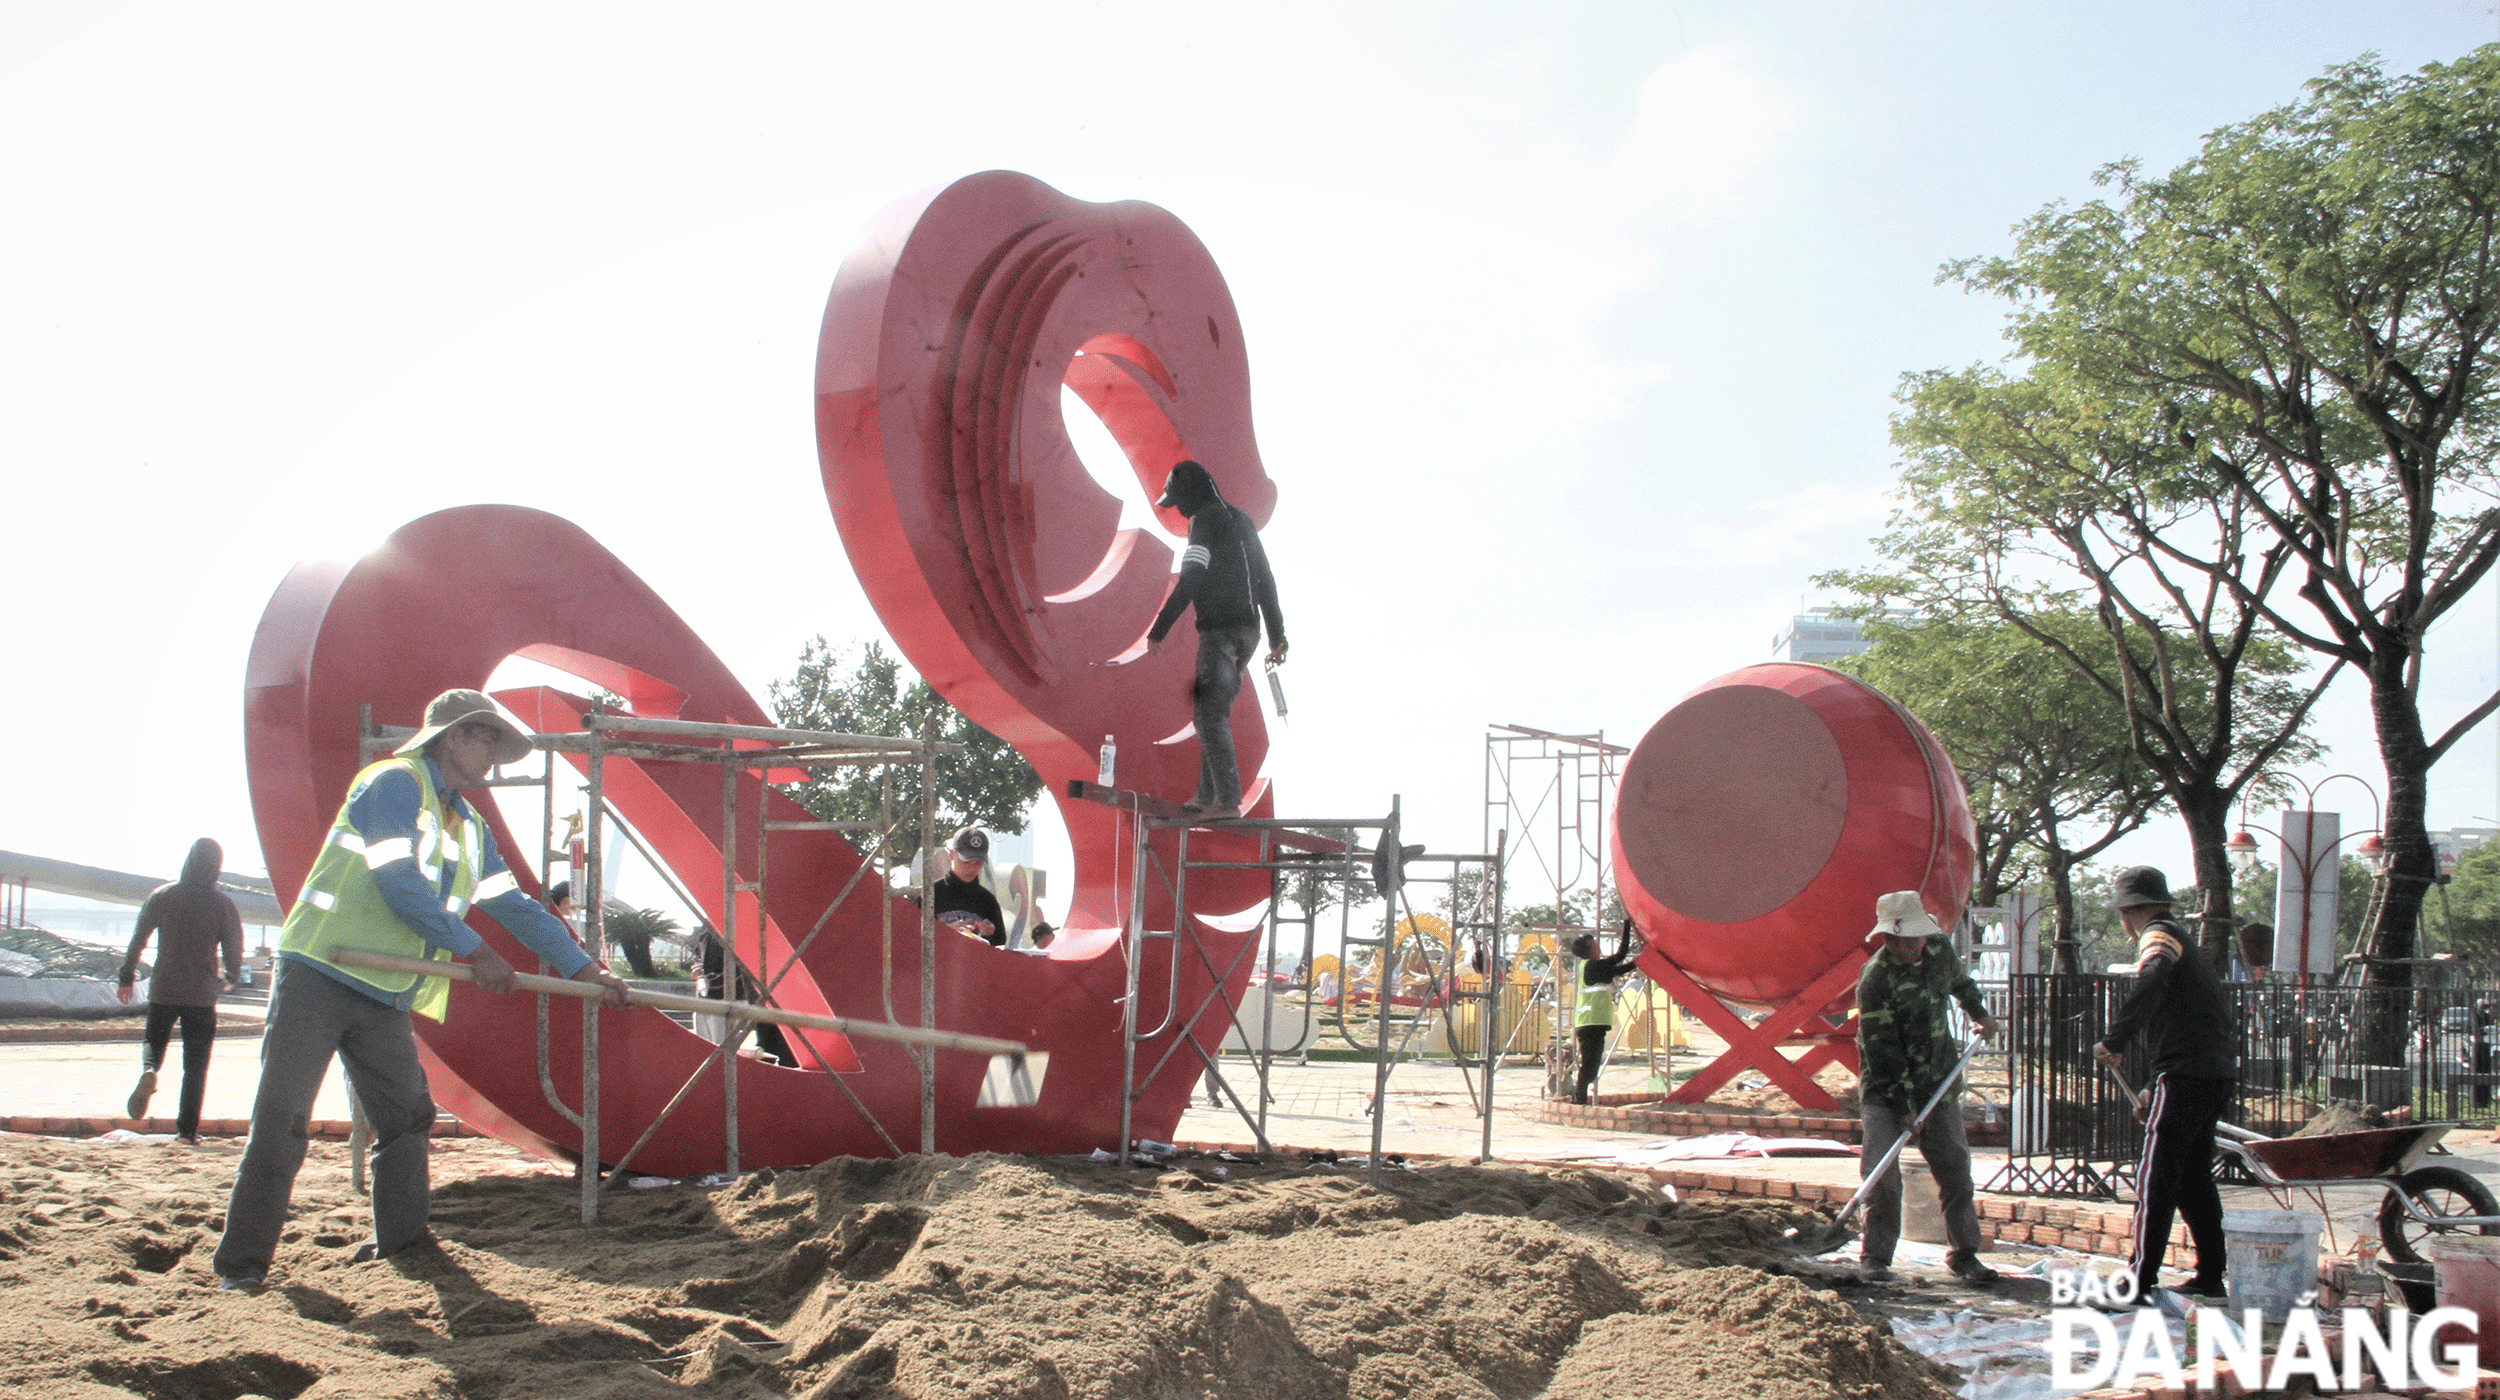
{"points": [[1572, 327]]}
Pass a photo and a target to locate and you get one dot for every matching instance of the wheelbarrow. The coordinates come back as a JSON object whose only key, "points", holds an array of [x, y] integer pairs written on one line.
{"points": [[2420, 1202]]}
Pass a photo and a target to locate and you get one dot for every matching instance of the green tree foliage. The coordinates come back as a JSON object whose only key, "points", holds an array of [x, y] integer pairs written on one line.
{"points": [[2296, 327], [859, 689], [632, 930], [2045, 753], [2101, 940], [2473, 913], [1324, 885]]}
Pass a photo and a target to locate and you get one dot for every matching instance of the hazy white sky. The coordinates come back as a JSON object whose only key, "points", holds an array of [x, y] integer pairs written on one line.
{"points": [[1572, 328]]}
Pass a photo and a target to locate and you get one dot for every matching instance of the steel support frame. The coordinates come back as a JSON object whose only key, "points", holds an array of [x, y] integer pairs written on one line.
{"points": [[1353, 861], [682, 741], [1568, 846]]}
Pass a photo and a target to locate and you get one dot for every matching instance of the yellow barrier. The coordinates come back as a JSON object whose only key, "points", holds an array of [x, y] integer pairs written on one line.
{"points": [[1660, 1023]]}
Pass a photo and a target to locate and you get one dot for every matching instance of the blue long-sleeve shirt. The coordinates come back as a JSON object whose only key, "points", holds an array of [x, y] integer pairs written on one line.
{"points": [[386, 811]]}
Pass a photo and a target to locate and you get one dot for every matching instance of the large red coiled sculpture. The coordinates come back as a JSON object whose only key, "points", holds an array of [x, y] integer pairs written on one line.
{"points": [[993, 560], [996, 562], [1756, 824]]}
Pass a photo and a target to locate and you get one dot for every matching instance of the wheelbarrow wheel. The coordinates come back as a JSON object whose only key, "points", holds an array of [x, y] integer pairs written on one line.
{"points": [[2439, 1191]]}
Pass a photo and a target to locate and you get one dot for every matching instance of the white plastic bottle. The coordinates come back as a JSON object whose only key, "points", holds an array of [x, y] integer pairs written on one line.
{"points": [[1110, 758]]}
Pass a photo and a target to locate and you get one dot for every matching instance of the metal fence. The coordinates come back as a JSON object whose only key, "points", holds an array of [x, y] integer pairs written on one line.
{"points": [[2434, 1050]]}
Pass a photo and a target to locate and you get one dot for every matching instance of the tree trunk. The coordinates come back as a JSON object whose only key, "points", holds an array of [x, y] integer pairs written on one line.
{"points": [[2053, 863], [2411, 867], [2412, 864], [2207, 812]]}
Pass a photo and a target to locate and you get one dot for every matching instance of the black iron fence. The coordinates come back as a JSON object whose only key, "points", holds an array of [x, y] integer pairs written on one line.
{"points": [[2432, 1050]]}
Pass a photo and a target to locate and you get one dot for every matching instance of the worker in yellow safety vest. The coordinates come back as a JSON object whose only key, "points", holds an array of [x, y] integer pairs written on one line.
{"points": [[404, 862], [1595, 1014]]}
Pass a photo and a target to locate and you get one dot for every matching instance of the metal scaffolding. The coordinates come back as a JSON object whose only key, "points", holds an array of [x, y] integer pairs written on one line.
{"points": [[1545, 797], [736, 750], [1288, 847]]}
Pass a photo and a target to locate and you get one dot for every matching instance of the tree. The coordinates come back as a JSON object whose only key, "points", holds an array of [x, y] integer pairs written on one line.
{"points": [[2102, 938], [2304, 313], [2009, 486], [2048, 748], [859, 690], [1326, 882], [2474, 910], [632, 930]]}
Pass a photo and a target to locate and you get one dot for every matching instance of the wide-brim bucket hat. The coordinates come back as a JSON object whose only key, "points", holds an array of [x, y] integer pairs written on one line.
{"points": [[467, 707], [2139, 885], [1902, 914]]}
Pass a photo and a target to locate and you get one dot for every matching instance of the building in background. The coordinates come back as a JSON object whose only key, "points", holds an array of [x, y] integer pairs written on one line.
{"points": [[1818, 635]]}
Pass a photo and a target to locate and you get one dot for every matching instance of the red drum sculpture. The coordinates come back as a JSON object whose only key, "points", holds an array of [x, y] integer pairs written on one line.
{"points": [[1756, 823], [997, 566]]}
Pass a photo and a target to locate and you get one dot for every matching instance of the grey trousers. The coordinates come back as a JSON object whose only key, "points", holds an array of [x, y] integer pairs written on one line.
{"points": [[311, 1018], [1947, 1152], [1222, 654]]}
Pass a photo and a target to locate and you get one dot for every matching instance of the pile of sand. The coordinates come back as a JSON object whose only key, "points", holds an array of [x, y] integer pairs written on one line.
{"points": [[1754, 1096], [925, 1277]]}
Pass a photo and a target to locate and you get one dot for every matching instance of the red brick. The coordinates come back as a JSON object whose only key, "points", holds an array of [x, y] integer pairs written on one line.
{"points": [[1786, 1190], [1996, 1210], [2227, 1384], [1749, 1186], [1720, 1183]]}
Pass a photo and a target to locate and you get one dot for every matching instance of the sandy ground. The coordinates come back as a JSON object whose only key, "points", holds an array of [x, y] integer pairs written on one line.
{"points": [[982, 1276]]}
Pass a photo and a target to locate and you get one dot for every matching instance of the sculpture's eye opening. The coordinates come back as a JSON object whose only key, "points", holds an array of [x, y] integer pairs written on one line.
{"points": [[1104, 461]]}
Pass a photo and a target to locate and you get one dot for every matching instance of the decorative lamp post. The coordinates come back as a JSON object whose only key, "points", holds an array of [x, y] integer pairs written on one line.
{"points": [[2307, 843]]}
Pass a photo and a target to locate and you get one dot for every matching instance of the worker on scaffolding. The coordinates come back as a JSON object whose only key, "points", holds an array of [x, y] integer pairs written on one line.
{"points": [[1594, 1015], [962, 902], [404, 860], [1224, 575], [1905, 1052]]}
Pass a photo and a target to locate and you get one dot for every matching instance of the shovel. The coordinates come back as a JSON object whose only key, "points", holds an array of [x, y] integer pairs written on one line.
{"points": [[2135, 1099], [1010, 1082], [1823, 1239]]}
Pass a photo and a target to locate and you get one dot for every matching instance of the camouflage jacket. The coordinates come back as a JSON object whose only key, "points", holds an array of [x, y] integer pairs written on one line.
{"points": [[1904, 1048]]}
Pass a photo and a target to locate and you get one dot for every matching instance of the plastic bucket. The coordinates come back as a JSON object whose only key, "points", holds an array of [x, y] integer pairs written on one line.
{"points": [[2273, 1259], [1922, 1209], [2467, 1270]]}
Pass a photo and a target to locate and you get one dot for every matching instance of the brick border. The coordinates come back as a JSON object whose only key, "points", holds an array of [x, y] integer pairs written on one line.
{"points": [[1646, 1113]]}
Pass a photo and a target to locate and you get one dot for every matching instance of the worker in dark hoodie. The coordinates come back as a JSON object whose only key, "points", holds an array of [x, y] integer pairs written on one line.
{"points": [[1224, 576], [196, 923]]}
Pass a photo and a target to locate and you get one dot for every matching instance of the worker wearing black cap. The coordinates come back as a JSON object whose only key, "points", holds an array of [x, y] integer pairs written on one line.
{"points": [[1224, 575], [959, 897], [2179, 1009]]}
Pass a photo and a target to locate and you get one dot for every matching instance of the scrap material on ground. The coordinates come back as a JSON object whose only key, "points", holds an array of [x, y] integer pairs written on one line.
{"points": [[982, 1275]]}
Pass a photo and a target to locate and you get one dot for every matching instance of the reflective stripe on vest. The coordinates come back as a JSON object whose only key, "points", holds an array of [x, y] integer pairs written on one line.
{"points": [[340, 907], [1597, 1006]]}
